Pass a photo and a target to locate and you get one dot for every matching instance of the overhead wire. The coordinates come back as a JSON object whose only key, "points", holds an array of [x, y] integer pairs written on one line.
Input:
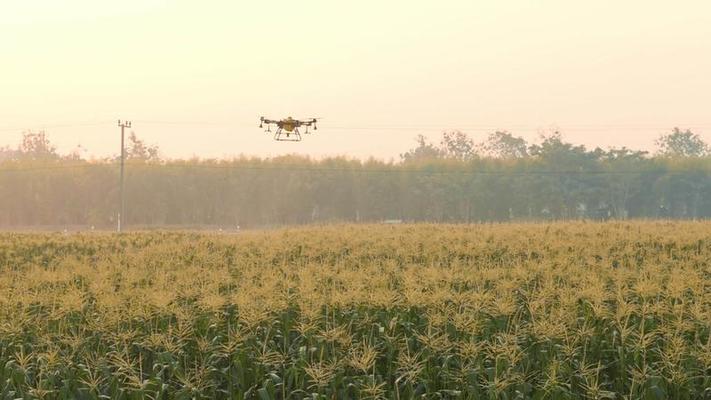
{"points": [[192, 123], [361, 169], [52, 126], [418, 126]]}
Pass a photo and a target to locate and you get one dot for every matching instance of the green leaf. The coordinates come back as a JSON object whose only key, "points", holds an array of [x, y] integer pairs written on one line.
{"points": [[263, 394]]}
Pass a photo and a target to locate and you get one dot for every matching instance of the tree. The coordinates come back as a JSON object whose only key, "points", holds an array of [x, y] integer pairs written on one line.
{"points": [[556, 180], [682, 144], [36, 146], [562, 154], [457, 145], [625, 181], [566, 182], [137, 149], [7, 153], [424, 151], [502, 144]]}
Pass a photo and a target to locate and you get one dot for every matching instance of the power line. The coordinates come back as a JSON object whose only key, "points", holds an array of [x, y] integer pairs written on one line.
{"points": [[206, 123], [325, 125], [45, 126], [491, 128], [447, 127], [51, 168], [287, 167], [300, 168]]}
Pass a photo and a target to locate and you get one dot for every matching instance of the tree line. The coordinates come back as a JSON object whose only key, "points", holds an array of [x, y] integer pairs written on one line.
{"points": [[504, 178]]}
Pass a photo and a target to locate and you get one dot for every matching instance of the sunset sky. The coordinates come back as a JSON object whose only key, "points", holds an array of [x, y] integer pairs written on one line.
{"points": [[194, 77]]}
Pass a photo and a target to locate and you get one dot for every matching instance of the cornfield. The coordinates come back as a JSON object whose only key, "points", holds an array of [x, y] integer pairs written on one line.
{"points": [[512, 311]]}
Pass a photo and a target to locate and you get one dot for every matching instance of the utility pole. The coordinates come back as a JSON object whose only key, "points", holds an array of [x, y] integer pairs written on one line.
{"points": [[123, 125]]}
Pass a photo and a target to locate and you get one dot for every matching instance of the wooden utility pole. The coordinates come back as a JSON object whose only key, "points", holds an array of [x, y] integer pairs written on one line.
{"points": [[123, 125]]}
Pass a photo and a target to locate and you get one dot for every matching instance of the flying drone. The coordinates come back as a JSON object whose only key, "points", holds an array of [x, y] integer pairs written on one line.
{"points": [[288, 129]]}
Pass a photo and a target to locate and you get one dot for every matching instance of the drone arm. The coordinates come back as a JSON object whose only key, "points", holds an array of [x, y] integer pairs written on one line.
{"points": [[308, 122]]}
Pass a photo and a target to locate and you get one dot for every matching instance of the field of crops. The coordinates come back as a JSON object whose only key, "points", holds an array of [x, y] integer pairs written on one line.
{"points": [[558, 311]]}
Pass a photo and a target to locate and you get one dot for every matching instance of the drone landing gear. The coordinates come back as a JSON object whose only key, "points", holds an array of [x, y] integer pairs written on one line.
{"points": [[282, 136]]}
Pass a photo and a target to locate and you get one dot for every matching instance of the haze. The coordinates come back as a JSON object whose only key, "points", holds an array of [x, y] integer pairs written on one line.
{"points": [[194, 77]]}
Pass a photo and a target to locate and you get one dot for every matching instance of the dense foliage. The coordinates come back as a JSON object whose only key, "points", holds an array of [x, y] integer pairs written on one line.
{"points": [[457, 181], [557, 311]]}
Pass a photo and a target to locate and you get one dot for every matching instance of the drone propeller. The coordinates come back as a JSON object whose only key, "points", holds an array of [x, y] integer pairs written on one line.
{"points": [[263, 120], [309, 122], [313, 121]]}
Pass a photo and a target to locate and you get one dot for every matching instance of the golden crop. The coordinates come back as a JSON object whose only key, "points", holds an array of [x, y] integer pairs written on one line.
{"points": [[514, 311]]}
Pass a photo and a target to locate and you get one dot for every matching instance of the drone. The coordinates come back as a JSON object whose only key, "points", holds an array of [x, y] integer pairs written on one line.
{"points": [[287, 129]]}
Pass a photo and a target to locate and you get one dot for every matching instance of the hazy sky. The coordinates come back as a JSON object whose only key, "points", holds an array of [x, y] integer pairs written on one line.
{"points": [[194, 76]]}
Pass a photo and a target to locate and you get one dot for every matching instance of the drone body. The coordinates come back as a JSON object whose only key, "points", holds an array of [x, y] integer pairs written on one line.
{"points": [[287, 129]]}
